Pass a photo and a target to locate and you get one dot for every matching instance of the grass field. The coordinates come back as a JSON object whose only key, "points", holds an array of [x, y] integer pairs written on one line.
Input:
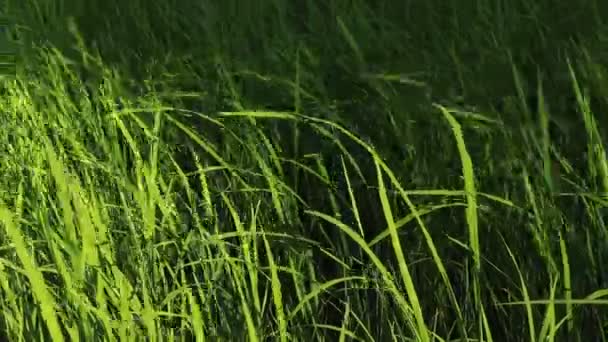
{"points": [[305, 171]]}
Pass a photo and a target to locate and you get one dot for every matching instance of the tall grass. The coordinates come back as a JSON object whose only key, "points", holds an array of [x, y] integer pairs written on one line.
{"points": [[304, 171]]}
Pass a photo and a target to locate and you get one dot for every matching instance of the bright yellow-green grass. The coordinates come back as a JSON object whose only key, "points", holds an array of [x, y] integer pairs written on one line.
{"points": [[306, 171]]}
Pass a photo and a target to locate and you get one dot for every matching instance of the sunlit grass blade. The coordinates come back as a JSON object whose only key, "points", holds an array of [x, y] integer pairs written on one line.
{"points": [[39, 288], [422, 330], [277, 295]]}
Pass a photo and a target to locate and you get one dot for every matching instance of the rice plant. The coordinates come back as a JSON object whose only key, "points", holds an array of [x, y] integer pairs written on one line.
{"points": [[304, 171]]}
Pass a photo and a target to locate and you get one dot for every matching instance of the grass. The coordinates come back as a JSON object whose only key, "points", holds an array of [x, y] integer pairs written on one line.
{"points": [[428, 171]]}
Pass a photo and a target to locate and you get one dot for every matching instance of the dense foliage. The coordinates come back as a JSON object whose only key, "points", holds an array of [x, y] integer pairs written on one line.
{"points": [[305, 170]]}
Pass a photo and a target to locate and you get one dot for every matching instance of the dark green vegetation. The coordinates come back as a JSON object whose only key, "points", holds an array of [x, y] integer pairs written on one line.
{"points": [[323, 170]]}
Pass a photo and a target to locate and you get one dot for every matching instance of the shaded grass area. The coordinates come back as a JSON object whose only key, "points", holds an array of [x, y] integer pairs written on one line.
{"points": [[305, 171]]}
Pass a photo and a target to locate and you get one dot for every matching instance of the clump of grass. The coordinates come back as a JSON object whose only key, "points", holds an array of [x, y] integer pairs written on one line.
{"points": [[316, 189]]}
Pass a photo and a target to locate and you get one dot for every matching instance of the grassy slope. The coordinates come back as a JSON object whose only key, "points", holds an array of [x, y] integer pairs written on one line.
{"points": [[142, 195]]}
